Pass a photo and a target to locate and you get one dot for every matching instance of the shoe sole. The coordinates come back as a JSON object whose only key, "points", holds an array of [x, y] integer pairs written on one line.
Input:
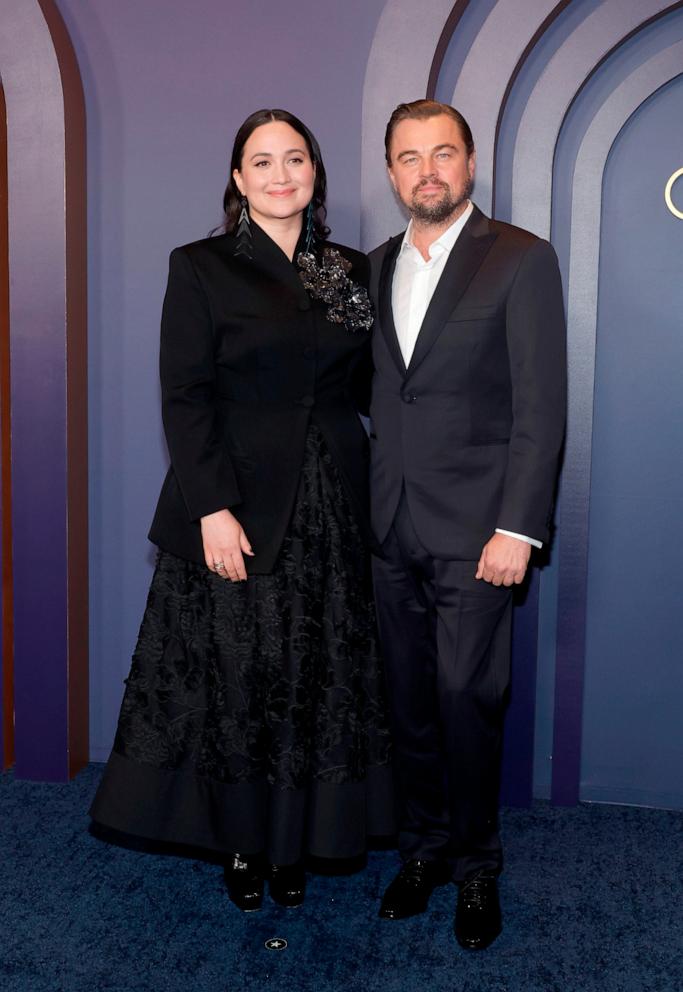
{"points": [[246, 909]]}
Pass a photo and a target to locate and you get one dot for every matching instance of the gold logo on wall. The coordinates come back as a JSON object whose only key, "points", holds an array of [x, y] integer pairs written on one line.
{"points": [[667, 194]]}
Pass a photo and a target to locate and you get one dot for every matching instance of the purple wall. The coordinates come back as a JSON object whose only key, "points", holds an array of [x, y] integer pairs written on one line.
{"points": [[166, 88]]}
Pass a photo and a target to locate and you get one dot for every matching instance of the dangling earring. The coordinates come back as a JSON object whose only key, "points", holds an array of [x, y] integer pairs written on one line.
{"points": [[310, 230], [243, 232]]}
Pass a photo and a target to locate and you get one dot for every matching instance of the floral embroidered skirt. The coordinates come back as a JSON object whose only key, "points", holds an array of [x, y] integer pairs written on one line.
{"points": [[254, 716]]}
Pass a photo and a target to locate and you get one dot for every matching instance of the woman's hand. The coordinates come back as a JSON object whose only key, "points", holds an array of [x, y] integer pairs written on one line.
{"points": [[224, 544]]}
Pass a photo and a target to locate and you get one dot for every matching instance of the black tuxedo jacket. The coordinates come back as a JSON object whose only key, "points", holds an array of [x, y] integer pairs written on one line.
{"points": [[247, 360], [473, 427]]}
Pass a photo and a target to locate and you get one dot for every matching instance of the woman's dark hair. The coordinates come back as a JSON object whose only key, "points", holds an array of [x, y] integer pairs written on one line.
{"points": [[420, 110], [232, 198]]}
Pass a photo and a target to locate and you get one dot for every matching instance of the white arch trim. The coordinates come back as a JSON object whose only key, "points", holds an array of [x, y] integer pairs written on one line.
{"points": [[582, 303], [549, 101], [485, 74], [397, 71]]}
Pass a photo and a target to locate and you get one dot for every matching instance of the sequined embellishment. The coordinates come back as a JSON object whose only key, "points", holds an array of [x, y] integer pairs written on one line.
{"points": [[327, 280]]}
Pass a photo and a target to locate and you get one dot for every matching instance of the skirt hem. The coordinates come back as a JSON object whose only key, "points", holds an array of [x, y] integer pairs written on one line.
{"points": [[324, 820]]}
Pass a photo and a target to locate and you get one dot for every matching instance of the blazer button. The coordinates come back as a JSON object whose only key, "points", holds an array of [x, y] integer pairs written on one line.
{"points": [[305, 305], [307, 401], [409, 397], [309, 352]]}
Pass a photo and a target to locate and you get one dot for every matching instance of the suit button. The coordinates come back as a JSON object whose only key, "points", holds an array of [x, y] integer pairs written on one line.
{"points": [[409, 397], [307, 401], [309, 352], [305, 305]]}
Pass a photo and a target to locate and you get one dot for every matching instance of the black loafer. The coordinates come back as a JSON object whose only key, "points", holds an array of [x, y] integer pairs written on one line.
{"points": [[408, 894], [477, 916], [244, 882], [287, 884]]}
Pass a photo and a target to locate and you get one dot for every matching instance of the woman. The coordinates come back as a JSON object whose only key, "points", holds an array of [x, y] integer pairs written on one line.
{"points": [[253, 721]]}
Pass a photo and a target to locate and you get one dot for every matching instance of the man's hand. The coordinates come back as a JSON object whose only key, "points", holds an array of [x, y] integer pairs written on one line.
{"points": [[503, 561]]}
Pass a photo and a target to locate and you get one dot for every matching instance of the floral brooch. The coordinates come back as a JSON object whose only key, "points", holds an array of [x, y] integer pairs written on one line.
{"points": [[327, 280]]}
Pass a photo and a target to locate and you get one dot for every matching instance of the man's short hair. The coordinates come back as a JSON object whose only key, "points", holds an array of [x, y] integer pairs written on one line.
{"points": [[421, 110]]}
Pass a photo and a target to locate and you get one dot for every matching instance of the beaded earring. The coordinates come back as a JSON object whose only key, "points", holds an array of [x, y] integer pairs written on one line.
{"points": [[310, 230], [243, 232]]}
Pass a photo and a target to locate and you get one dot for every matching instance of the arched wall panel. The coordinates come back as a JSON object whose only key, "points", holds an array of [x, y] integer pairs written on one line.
{"points": [[398, 70], [581, 319], [484, 78], [633, 752], [46, 191], [548, 103], [6, 607], [631, 52], [460, 9]]}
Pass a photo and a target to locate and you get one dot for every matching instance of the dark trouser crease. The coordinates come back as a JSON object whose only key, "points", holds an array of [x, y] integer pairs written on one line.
{"points": [[446, 646]]}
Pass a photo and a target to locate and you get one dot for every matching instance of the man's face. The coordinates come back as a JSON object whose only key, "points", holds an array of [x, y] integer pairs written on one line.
{"points": [[430, 168]]}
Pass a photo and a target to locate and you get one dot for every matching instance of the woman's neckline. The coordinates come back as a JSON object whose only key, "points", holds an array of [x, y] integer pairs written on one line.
{"points": [[297, 244]]}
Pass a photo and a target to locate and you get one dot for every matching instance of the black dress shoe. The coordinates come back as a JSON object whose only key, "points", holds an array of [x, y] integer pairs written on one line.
{"points": [[287, 884], [244, 881], [477, 916], [408, 894]]}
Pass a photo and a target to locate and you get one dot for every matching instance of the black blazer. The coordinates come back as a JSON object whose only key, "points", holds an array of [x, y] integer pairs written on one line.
{"points": [[247, 360], [474, 426]]}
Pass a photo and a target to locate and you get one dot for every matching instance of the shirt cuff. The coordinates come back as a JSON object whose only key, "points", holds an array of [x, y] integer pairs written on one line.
{"points": [[520, 537]]}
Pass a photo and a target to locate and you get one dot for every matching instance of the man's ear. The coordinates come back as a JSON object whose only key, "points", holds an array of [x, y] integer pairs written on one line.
{"points": [[391, 178], [472, 164]]}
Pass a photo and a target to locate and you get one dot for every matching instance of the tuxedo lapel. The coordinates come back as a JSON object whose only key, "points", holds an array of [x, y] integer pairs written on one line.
{"points": [[465, 258], [386, 312]]}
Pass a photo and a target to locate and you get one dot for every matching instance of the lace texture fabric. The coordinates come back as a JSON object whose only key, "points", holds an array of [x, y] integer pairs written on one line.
{"points": [[277, 677]]}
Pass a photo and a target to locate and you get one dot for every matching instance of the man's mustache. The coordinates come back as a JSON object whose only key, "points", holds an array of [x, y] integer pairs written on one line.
{"points": [[429, 182]]}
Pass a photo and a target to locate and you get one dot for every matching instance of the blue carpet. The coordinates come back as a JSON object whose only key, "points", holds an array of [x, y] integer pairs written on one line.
{"points": [[591, 901]]}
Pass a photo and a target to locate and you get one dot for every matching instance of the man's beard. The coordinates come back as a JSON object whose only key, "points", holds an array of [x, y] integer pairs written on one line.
{"points": [[437, 211]]}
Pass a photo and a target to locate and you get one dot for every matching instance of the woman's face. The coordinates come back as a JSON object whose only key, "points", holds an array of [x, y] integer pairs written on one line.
{"points": [[277, 173]]}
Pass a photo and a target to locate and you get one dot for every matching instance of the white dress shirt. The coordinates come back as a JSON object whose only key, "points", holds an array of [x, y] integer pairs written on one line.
{"points": [[414, 283]]}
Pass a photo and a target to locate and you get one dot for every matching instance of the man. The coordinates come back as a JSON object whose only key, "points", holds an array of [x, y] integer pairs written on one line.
{"points": [[467, 421]]}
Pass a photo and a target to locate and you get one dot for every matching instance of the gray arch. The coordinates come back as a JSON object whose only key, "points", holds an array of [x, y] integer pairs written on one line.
{"points": [[398, 70], [555, 89], [485, 74], [47, 236], [582, 309]]}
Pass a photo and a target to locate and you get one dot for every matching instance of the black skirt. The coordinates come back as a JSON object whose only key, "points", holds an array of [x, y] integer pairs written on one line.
{"points": [[254, 716]]}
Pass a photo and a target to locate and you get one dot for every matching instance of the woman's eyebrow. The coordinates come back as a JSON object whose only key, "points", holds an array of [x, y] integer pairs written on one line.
{"points": [[270, 154]]}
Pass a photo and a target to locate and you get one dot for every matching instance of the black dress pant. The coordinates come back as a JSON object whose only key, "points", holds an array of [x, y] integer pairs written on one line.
{"points": [[446, 645]]}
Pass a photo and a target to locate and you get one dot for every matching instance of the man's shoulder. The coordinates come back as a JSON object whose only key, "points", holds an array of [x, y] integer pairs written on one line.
{"points": [[514, 236], [376, 256], [516, 242]]}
